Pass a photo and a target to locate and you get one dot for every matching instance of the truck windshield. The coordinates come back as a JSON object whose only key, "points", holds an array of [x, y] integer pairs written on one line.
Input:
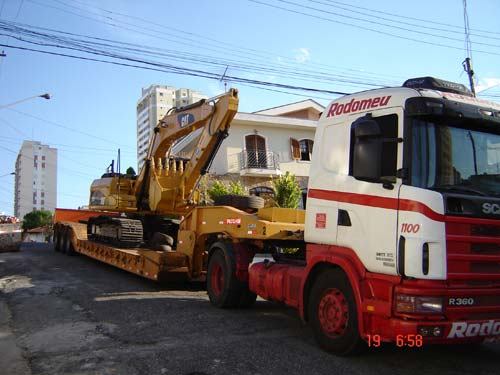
{"points": [[457, 159]]}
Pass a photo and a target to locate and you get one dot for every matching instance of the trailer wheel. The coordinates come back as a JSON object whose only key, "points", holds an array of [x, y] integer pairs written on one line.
{"points": [[54, 236], [67, 245], [59, 239], [333, 314]]}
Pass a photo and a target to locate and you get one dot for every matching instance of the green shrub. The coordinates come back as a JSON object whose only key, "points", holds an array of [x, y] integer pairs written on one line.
{"points": [[217, 189], [287, 193], [236, 188]]}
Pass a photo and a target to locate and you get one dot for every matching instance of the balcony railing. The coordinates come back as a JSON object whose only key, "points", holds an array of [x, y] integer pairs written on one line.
{"points": [[255, 159]]}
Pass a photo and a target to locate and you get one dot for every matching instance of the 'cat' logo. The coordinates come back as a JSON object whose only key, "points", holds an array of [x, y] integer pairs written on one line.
{"points": [[185, 120], [491, 208]]}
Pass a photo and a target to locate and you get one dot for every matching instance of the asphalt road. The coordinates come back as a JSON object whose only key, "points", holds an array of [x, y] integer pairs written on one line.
{"points": [[74, 315]]}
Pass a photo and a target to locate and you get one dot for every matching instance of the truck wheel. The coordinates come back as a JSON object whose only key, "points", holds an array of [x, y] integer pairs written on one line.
{"points": [[59, 239], [333, 314], [54, 238], [222, 286], [67, 245]]}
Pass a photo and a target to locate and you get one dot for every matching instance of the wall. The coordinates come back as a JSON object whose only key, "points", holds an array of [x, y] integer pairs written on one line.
{"points": [[277, 140]]}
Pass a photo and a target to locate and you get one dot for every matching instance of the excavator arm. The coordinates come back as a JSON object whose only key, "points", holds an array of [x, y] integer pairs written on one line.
{"points": [[167, 184]]}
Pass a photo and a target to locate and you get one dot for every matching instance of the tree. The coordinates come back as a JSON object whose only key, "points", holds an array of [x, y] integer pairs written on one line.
{"points": [[130, 171], [37, 219], [287, 193]]}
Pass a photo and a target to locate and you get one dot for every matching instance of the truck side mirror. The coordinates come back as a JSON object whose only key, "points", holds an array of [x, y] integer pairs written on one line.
{"points": [[367, 150]]}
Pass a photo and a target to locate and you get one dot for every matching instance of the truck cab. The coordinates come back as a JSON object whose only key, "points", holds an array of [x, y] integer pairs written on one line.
{"points": [[402, 232], [404, 201]]}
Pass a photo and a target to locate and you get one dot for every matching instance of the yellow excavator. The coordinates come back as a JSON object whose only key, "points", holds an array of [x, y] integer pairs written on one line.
{"points": [[165, 188]]}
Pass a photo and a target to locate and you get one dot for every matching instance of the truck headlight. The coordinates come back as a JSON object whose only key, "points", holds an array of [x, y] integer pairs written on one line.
{"points": [[418, 304]]}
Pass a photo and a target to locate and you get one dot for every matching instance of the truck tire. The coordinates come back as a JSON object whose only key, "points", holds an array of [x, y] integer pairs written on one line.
{"points": [[333, 314], [54, 238], [159, 239], [222, 285], [240, 201], [54, 234], [59, 239], [67, 245]]}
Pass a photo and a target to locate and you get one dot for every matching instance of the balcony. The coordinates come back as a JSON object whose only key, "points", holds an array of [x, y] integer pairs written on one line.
{"points": [[259, 163]]}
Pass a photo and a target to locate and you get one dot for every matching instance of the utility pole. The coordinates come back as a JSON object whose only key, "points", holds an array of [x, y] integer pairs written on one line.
{"points": [[467, 64]]}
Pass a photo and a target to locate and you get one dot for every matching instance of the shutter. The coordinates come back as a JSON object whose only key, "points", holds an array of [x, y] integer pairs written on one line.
{"points": [[294, 149]]}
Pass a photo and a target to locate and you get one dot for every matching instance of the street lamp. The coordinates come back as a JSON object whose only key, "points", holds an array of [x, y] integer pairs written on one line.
{"points": [[9, 174], [45, 96]]}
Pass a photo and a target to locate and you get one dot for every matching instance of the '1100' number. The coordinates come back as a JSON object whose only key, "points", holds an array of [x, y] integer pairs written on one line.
{"points": [[410, 228]]}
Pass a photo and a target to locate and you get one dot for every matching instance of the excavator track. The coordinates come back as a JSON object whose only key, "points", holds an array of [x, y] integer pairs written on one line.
{"points": [[118, 231]]}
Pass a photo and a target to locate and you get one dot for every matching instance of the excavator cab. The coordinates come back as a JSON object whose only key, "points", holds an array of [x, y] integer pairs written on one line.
{"points": [[113, 192]]}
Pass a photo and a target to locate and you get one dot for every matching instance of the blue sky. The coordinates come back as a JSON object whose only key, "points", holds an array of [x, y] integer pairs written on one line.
{"points": [[97, 99]]}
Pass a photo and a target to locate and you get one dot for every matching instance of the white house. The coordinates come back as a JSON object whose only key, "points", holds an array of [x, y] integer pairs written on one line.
{"points": [[265, 144]]}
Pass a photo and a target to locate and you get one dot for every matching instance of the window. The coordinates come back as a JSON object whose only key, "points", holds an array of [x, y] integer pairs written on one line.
{"points": [[42, 202], [34, 200], [306, 148], [301, 150], [35, 164], [43, 165], [256, 155], [389, 127], [36, 157], [43, 194], [448, 157], [43, 157]]}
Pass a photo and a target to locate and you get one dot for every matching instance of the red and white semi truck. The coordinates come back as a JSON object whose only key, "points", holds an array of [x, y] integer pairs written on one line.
{"points": [[401, 239]]}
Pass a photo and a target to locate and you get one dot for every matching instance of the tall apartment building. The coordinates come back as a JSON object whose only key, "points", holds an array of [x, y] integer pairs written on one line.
{"points": [[36, 178], [154, 103]]}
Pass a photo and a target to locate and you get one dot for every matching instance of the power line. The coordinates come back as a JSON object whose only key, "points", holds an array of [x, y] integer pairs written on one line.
{"points": [[90, 47], [370, 14], [262, 55], [19, 9], [63, 126], [420, 32], [75, 147], [181, 71], [364, 27], [75, 173], [434, 22]]}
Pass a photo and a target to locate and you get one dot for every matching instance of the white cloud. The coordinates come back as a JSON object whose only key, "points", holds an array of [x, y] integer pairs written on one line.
{"points": [[302, 55], [487, 83]]}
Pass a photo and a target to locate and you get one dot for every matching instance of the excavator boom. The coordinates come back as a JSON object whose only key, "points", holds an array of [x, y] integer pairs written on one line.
{"points": [[166, 184]]}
